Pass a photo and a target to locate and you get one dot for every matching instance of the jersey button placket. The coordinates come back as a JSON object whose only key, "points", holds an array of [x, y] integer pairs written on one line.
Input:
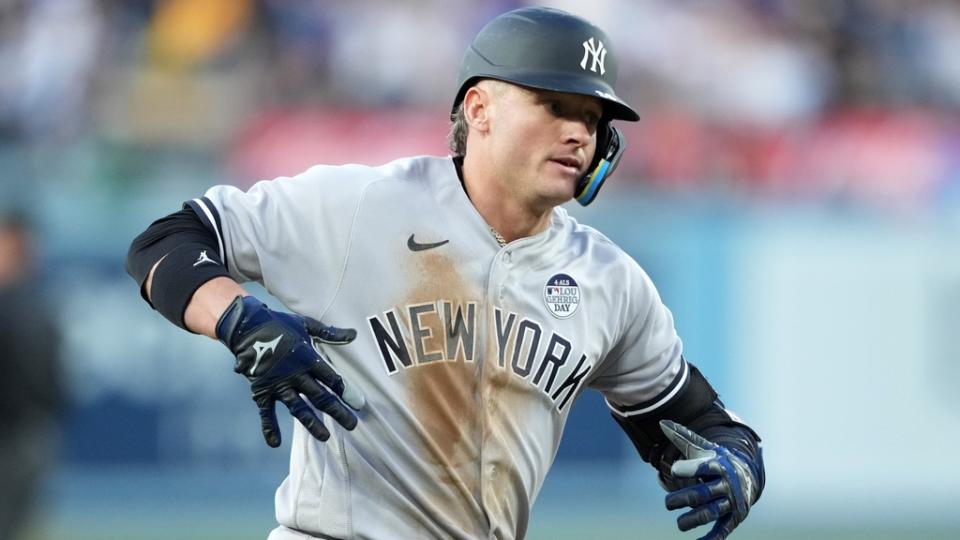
{"points": [[507, 258], [495, 287]]}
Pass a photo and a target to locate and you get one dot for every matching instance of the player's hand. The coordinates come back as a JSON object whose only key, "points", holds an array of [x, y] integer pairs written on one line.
{"points": [[275, 353], [725, 483]]}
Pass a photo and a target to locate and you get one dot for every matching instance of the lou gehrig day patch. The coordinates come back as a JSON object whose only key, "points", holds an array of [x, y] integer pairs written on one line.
{"points": [[562, 295]]}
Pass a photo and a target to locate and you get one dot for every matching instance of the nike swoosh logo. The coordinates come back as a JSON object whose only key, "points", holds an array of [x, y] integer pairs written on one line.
{"points": [[262, 347], [416, 246]]}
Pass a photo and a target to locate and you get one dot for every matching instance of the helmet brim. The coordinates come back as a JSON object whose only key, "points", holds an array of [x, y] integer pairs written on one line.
{"points": [[614, 108]]}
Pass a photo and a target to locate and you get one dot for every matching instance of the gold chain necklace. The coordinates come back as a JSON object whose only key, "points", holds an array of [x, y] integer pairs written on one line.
{"points": [[498, 237]]}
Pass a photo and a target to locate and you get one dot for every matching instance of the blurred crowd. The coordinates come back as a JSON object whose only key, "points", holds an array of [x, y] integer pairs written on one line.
{"points": [[848, 99]]}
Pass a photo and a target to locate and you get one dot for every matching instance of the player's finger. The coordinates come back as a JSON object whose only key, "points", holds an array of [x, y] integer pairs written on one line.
{"points": [[721, 529], [302, 412], [268, 420], [690, 444], [329, 334], [701, 466], [330, 378], [324, 401], [704, 514], [696, 495]]}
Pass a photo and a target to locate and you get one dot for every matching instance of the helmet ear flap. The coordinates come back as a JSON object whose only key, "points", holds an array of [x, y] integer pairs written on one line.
{"points": [[610, 146]]}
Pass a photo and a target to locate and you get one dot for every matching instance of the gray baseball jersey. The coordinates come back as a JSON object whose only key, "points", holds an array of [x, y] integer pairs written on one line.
{"points": [[470, 355]]}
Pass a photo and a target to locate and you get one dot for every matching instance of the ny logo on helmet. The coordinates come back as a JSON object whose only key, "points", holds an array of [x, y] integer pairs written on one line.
{"points": [[597, 51]]}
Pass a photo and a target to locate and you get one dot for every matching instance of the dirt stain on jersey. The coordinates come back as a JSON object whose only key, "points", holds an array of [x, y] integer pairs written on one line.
{"points": [[465, 406], [443, 393], [505, 400]]}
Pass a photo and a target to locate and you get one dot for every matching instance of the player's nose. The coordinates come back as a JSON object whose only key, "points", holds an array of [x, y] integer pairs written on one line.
{"points": [[577, 131]]}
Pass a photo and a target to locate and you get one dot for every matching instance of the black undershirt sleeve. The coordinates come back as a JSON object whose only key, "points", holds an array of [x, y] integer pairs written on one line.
{"points": [[188, 245], [697, 406]]}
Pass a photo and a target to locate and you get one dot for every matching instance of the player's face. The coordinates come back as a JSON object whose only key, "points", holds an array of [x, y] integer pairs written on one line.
{"points": [[544, 142]]}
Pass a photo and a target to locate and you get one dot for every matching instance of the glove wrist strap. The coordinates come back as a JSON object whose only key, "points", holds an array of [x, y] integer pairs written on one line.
{"points": [[240, 317]]}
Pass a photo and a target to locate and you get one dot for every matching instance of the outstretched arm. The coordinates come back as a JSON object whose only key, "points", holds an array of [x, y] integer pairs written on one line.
{"points": [[176, 261]]}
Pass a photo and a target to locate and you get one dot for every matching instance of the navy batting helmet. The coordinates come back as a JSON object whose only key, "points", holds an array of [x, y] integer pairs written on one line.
{"points": [[548, 49]]}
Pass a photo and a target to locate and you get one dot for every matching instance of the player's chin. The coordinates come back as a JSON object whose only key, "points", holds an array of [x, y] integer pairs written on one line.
{"points": [[559, 193]]}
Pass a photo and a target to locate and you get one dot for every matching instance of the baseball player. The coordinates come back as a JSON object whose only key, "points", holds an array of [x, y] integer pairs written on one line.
{"points": [[472, 310]]}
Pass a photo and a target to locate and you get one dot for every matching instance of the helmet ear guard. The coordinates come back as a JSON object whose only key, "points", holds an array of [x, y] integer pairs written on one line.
{"points": [[610, 146]]}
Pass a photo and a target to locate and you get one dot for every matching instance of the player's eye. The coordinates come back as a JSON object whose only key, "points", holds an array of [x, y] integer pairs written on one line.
{"points": [[592, 120], [555, 108]]}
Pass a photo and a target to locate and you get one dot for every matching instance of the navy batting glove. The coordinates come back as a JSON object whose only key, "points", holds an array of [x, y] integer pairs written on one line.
{"points": [[275, 353], [725, 483]]}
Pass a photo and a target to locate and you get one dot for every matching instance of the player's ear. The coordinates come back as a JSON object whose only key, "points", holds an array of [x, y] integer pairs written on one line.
{"points": [[476, 103]]}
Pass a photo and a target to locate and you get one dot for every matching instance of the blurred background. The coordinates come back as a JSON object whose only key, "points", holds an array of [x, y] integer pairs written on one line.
{"points": [[793, 188]]}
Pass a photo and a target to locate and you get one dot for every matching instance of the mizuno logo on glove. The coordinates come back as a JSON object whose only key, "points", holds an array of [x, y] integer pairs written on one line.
{"points": [[261, 347]]}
